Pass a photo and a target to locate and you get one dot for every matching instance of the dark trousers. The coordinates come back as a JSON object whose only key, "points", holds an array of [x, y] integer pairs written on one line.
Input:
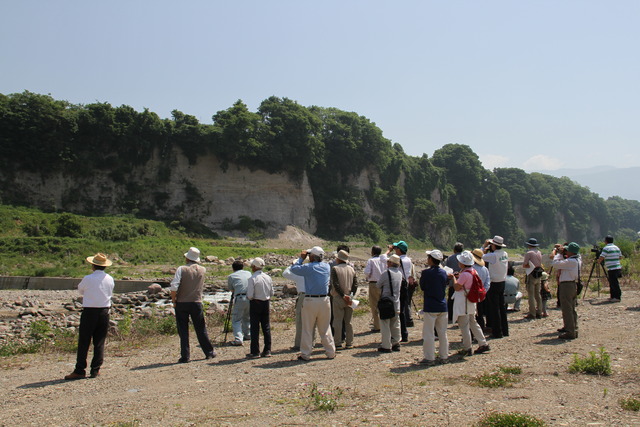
{"points": [[407, 309], [614, 283], [184, 310], [259, 317], [497, 310], [450, 292], [94, 325], [481, 312], [404, 301]]}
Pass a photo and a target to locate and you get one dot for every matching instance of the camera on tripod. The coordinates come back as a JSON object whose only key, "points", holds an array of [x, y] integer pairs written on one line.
{"points": [[596, 250]]}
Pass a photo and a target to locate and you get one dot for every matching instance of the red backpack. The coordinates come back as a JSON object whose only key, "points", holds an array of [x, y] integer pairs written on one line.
{"points": [[477, 293]]}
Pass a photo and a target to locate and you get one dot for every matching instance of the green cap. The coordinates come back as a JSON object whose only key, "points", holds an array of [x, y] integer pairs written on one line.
{"points": [[402, 245], [573, 247]]}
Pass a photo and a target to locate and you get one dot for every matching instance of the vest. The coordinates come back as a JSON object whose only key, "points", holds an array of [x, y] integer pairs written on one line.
{"points": [[191, 283]]}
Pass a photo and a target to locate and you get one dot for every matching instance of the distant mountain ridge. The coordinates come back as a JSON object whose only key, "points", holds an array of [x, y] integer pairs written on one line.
{"points": [[606, 181]]}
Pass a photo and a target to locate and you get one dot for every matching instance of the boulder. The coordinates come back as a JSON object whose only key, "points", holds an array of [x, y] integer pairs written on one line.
{"points": [[289, 289], [154, 289]]}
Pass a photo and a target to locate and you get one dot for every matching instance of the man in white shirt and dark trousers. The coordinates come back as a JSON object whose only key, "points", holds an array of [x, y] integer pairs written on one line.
{"points": [[498, 261], [186, 294], [372, 272], [96, 290], [259, 292]]}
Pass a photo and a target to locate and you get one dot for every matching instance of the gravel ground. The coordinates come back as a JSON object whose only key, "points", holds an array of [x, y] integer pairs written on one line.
{"points": [[146, 386]]}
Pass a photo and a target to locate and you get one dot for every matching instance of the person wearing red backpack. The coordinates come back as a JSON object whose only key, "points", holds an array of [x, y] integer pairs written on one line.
{"points": [[464, 310]]}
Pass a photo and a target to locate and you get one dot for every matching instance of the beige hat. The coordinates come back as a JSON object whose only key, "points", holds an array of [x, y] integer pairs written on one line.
{"points": [[498, 241], [257, 262], [477, 256], [99, 259], [343, 255], [394, 259], [193, 254]]}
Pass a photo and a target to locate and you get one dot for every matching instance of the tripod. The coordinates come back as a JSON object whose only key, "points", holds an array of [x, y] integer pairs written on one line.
{"points": [[594, 266], [227, 322]]}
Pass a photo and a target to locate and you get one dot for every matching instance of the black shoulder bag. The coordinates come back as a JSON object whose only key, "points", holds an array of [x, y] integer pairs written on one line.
{"points": [[386, 306]]}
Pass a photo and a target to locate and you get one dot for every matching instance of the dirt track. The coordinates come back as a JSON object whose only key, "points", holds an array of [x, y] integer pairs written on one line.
{"points": [[147, 387]]}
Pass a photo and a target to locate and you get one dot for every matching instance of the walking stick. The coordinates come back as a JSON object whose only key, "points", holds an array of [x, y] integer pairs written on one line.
{"points": [[227, 323]]}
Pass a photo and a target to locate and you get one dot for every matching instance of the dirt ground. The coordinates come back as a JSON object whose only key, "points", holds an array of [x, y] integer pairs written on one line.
{"points": [[147, 387]]}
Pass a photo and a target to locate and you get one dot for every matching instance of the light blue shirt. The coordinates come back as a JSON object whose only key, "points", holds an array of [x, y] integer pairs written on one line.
{"points": [[316, 276], [237, 282], [483, 272]]}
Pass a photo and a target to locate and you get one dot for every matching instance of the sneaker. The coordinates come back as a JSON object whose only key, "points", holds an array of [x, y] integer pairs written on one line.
{"points": [[265, 354], [210, 355], [348, 346], [482, 349], [395, 347], [384, 350], [427, 362], [74, 376], [235, 343], [567, 336], [302, 358], [253, 356]]}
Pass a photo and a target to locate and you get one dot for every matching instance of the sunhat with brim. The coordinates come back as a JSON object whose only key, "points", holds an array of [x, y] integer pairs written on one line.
{"points": [[436, 254], [498, 241], [193, 254], [394, 259], [343, 255], [532, 242], [465, 258], [477, 256], [99, 259], [545, 275]]}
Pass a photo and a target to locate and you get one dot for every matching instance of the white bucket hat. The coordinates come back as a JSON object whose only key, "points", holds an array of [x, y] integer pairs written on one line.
{"points": [[193, 254], [465, 258]]}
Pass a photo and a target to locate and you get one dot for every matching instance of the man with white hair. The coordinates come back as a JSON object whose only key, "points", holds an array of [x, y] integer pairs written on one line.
{"points": [[259, 292], [317, 308], [186, 295]]}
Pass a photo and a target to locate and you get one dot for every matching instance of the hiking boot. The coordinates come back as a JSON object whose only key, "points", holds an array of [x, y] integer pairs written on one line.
{"points": [[74, 376], [482, 349]]}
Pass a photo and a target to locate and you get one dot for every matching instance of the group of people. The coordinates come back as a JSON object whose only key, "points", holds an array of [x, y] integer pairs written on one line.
{"points": [[326, 301]]}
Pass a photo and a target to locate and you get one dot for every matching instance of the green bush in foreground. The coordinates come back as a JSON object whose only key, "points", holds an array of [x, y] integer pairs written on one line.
{"points": [[595, 364], [630, 404], [503, 377], [509, 419]]}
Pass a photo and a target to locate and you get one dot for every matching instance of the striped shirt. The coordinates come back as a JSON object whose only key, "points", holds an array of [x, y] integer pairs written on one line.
{"points": [[611, 255]]}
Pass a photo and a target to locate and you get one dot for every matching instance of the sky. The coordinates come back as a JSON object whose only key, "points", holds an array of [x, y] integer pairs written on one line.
{"points": [[537, 85]]}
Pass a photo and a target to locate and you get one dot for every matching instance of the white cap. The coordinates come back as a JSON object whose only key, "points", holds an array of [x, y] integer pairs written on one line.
{"points": [[316, 250], [257, 262], [436, 254]]}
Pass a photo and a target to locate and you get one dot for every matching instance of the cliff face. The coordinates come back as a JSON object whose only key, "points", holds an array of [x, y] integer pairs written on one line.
{"points": [[172, 188]]}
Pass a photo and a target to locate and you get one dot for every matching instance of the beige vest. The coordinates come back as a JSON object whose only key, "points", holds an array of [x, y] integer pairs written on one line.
{"points": [[191, 283]]}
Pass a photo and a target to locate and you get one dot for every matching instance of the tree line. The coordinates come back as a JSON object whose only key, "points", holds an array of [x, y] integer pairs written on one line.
{"points": [[440, 199]]}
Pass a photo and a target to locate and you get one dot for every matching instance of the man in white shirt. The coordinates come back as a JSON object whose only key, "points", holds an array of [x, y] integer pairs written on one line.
{"points": [[569, 268], [498, 260], [372, 272], [299, 281], [259, 292], [96, 290]]}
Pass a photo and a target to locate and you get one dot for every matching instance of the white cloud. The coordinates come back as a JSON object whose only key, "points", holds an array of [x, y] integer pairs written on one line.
{"points": [[542, 162], [491, 161]]}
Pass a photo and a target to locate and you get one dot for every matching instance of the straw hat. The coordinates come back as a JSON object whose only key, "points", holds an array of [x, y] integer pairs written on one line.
{"points": [[99, 259]]}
